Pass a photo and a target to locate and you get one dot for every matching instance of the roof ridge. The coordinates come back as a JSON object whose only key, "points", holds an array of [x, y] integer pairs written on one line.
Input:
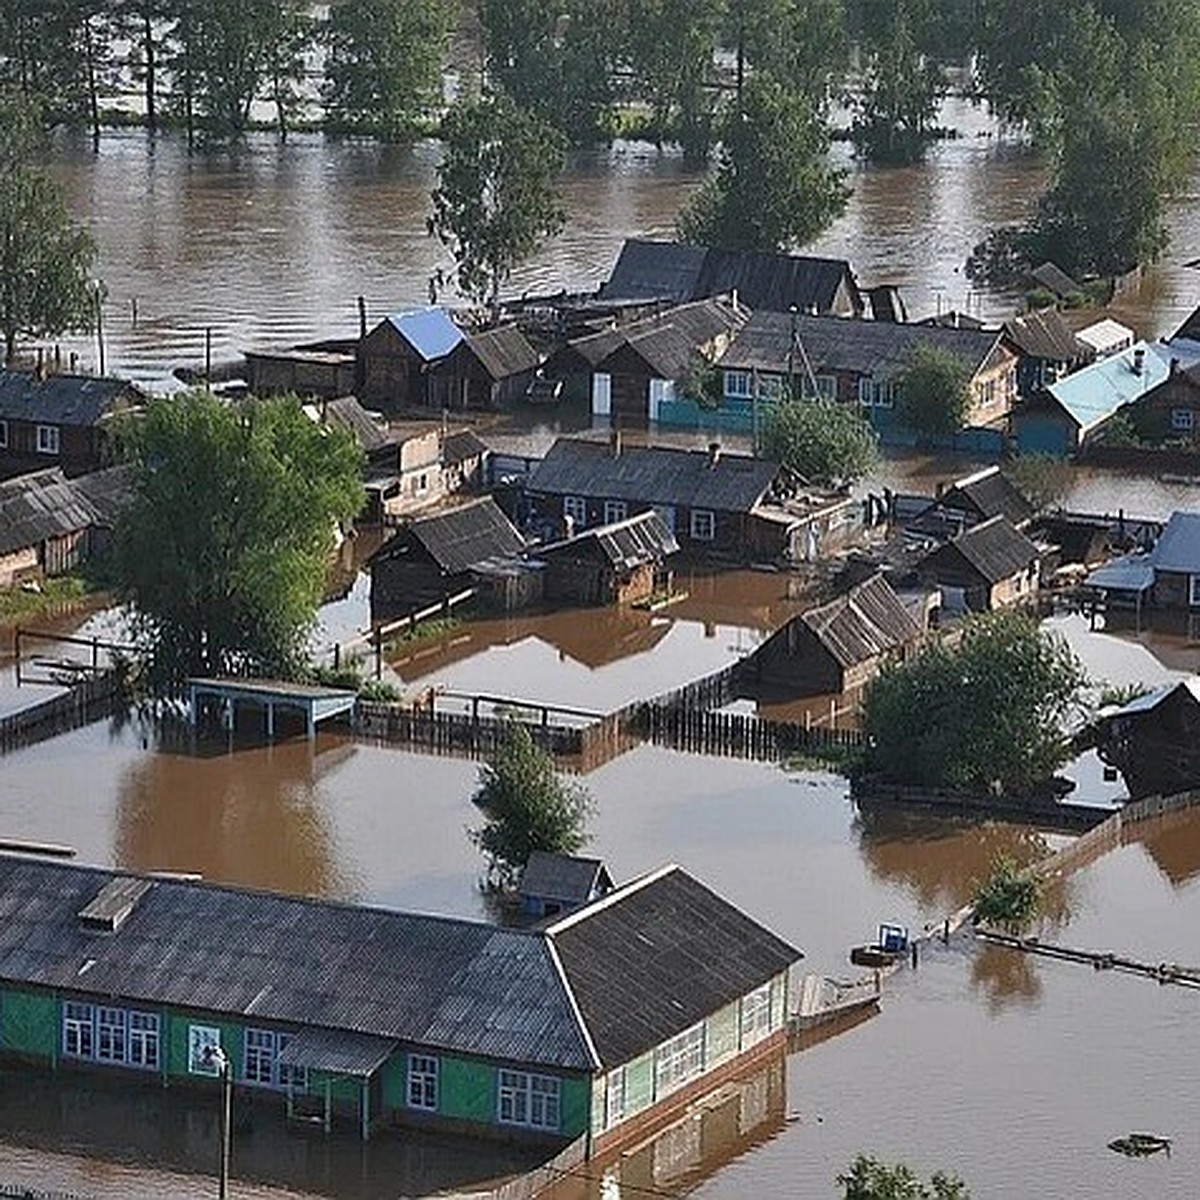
{"points": [[569, 991]]}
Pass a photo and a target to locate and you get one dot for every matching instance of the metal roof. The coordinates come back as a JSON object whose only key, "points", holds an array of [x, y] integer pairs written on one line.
{"points": [[653, 475], [659, 955], [430, 331], [336, 1051], [60, 399], [633, 542], [993, 548], [1130, 573], [879, 349], [454, 985], [868, 621], [1178, 549], [459, 537]]}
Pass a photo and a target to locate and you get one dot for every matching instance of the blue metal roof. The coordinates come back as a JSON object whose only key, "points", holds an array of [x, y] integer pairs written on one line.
{"points": [[430, 331], [1178, 549], [1092, 395]]}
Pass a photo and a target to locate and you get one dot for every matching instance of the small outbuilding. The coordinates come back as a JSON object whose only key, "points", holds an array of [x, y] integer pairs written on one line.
{"points": [[555, 884], [486, 369], [991, 565], [1154, 740], [397, 359]]}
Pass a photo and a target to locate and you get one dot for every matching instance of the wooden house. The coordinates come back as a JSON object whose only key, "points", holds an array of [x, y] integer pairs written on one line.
{"points": [[486, 369], [1168, 411], [1048, 347], [988, 566], [57, 420], [418, 468], [397, 360], [324, 370], [978, 497], [618, 563], [583, 1031], [675, 272], [858, 363], [839, 646], [1154, 740], [1175, 562], [553, 884], [715, 504], [430, 558]]}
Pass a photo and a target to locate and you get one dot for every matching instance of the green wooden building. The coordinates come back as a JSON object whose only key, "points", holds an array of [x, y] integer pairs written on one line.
{"points": [[588, 1027]]}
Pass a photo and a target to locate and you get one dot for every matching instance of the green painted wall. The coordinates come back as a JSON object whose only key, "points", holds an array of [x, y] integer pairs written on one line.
{"points": [[29, 1023], [467, 1090], [394, 1076], [174, 1034], [721, 1034], [342, 1087], [575, 1105], [639, 1084]]}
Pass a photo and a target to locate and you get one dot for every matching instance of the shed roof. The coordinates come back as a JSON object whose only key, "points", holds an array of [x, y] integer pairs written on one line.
{"points": [[566, 877], [43, 505], [1129, 573], [431, 332], [79, 400], [866, 622], [1044, 334], [1054, 279], [992, 548], [651, 475], [458, 537], [988, 493], [345, 412], [1178, 549], [659, 955], [461, 445], [643, 538], [878, 349], [502, 352], [1105, 336]]}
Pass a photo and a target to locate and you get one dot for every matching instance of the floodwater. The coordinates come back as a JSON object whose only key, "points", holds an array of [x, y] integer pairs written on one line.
{"points": [[271, 243]]}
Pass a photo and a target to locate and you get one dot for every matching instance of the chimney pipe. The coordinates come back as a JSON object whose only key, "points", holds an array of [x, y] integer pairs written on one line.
{"points": [[1139, 360], [362, 316], [714, 453], [614, 443], [1174, 366]]}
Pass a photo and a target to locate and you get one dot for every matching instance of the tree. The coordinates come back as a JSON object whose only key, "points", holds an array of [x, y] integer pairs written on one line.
{"points": [[1008, 897], [933, 391], [827, 443], [45, 259], [224, 550], [1043, 480], [523, 54], [869, 1179], [528, 807], [384, 69], [496, 198], [802, 43], [773, 187], [987, 715]]}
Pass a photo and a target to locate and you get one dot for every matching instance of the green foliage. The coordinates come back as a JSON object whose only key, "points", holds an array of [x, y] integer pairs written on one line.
{"points": [[987, 715], [827, 443], [1009, 897], [496, 199], [528, 807], [1120, 430], [896, 106], [19, 603], [351, 678], [1040, 478], [45, 259], [384, 70], [869, 1179], [933, 391], [773, 187], [703, 383], [1117, 695], [224, 551], [802, 42]]}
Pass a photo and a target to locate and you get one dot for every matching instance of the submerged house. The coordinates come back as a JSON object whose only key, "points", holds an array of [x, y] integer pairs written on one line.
{"points": [[1167, 578], [486, 369], [552, 884], [838, 646], [396, 359], [582, 1031], [1049, 349], [1154, 740], [969, 501], [988, 566]]}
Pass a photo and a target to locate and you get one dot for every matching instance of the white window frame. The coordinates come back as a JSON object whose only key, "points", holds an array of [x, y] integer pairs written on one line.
{"points": [[143, 1041], [1183, 420], [531, 1101], [739, 385], [614, 511], [575, 507], [112, 1025], [78, 1029], [680, 1060], [3, 435], [261, 1067], [423, 1082], [876, 393], [614, 1098], [703, 525], [770, 387], [755, 1015], [826, 388], [47, 439], [109, 1034]]}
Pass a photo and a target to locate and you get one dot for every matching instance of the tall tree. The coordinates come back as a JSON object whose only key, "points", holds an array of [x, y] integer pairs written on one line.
{"points": [[827, 443], [45, 259], [523, 55], [803, 43], [224, 550], [933, 391], [384, 69], [496, 198], [773, 187]]}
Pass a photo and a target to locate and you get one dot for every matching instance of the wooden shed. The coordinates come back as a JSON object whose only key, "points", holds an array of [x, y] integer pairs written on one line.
{"points": [[486, 369], [396, 359], [991, 565]]}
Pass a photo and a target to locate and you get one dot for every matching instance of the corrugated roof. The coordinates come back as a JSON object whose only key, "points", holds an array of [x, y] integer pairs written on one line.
{"points": [[79, 400], [1178, 549], [43, 505], [461, 536], [1093, 394], [649, 476], [345, 412], [994, 548], [503, 352], [566, 877], [988, 493], [458, 986], [633, 542], [336, 1051], [1130, 573], [1044, 334], [647, 270], [659, 955], [461, 445], [879, 349], [868, 621], [430, 331]]}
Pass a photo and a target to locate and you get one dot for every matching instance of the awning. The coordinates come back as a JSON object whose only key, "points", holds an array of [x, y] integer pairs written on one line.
{"points": [[1133, 573], [336, 1051]]}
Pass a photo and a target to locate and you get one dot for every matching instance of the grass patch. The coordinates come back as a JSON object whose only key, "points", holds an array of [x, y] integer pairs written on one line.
{"points": [[434, 627], [841, 760], [18, 604]]}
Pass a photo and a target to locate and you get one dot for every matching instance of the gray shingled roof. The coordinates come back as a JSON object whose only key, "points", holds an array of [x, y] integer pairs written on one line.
{"points": [[461, 536], [458, 986], [1044, 334], [651, 476], [868, 621], [345, 412], [503, 352], [45, 504], [993, 548], [839, 344], [566, 877], [988, 493], [659, 955], [59, 399]]}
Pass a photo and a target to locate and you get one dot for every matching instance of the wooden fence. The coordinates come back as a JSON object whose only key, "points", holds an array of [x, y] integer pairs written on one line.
{"points": [[736, 735], [532, 1183], [89, 700]]}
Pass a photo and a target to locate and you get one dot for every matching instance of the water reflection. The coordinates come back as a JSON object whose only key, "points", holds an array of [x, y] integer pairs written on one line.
{"points": [[1173, 843], [1005, 978]]}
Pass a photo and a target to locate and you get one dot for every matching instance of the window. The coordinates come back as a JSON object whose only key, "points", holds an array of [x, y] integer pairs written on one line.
{"points": [[615, 1097], [261, 1064], [739, 384], [770, 387], [78, 1030], [575, 507], [531, 1100], [1194, 591], [875, 393], [756, 1015], [3, 434], [680, 1059], [423, 1082], [47, 439], [826, 388], [704, 525], [1183, 420], [143, 1039], [110, 1035], [615, 510]]}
